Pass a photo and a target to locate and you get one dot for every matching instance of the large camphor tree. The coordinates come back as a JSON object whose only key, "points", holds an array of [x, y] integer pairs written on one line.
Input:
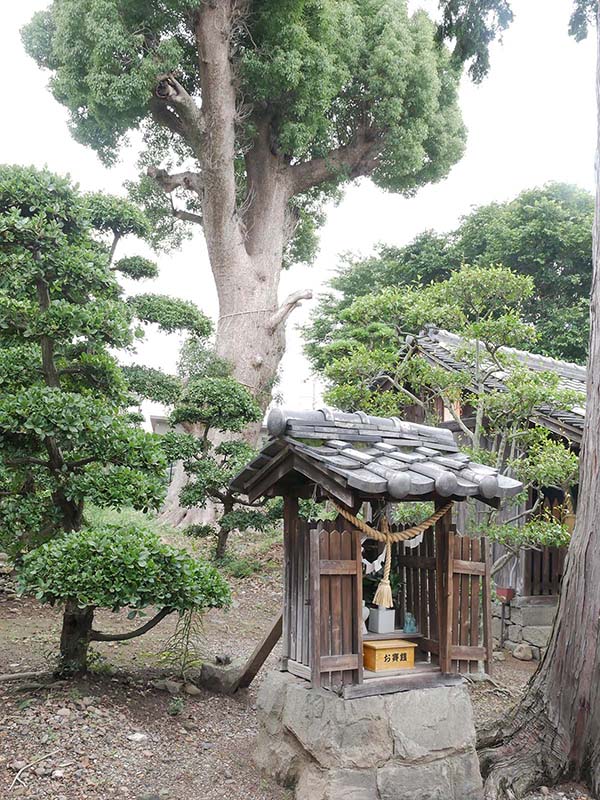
{"points": [[256, 112]]}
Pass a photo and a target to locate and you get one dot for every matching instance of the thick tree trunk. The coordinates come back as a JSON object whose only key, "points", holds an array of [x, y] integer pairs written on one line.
{"points": [[555, 731], [75, 638]]}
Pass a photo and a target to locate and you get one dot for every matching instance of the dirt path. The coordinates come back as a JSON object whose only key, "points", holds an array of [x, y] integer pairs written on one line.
{"points": [[115, 735]]}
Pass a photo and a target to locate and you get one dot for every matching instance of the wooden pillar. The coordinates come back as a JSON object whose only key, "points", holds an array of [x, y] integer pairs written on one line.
{"points": [[290, 519], [444, 545]]}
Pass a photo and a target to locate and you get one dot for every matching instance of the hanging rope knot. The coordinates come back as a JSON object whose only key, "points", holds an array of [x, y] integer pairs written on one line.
{"points": [[383, 595]]}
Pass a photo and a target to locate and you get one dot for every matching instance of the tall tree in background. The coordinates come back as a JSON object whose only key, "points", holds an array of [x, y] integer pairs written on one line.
{"points": [[544, 233], [254, 113], [554, 731]]}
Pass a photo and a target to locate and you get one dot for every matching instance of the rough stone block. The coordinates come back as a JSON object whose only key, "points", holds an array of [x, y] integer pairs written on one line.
{"points": [[515, 633], [516, 615], [416, 745], [542, 615], [523, 652], [496, 627], [337, 732], [337, 784], [430, 722], [221, 678], [537, 635], [456, 776]]}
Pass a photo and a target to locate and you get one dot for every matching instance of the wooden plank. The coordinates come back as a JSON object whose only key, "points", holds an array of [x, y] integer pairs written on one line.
{"points": [[261, 653], [440, 562], [465, 653], [299, 670], [325, 621], [487, 606], [335, 485], [418, 562], [400, 683], [345, 661], [347, 581], [475, 587], [456, 588], [446, 643], [307, 602], [546, 585], [423, 576], [357, 631], [432, 631], [343, 567], [290, 514], [464, 567], [261, 488], [315, 608], [293, 601], [335, 582], [302, 532], [465, 604]]}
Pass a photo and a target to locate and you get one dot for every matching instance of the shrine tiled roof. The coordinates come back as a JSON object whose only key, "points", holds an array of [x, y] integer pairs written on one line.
{"points": [[371, 456]]}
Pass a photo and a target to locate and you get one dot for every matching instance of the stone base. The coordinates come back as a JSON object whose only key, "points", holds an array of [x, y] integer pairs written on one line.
{"points": [[416, 745], [528, 621]]}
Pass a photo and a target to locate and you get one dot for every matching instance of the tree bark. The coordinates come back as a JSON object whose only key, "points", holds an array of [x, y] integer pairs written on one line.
{"points": [[75, 639], [554, 732]]}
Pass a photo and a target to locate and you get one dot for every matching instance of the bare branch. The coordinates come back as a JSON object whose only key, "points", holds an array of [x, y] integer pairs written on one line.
{"points": [[288, 305], [187, 121], [188, 216], [192, 181], [98, 636]]}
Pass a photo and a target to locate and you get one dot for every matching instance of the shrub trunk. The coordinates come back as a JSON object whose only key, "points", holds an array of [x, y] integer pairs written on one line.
{"points": [[75, 638]]}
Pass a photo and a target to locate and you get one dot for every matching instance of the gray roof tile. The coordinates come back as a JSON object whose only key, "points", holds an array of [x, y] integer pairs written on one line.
{"points": [[378, 456]]}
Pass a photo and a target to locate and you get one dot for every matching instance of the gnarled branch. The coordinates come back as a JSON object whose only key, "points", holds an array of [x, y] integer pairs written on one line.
{"points": [[286, 308], [98, 636], [192, 181], [352, 160]]}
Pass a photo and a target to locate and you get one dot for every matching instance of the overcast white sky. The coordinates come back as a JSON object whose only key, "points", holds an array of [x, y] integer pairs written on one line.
{"points": [[532, 120]]}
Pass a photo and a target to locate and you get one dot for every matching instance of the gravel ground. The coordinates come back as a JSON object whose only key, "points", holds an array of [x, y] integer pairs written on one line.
{"points": [[117, 735]]}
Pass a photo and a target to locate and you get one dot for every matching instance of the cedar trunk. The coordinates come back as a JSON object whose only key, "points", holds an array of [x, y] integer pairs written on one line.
{"points": [[554, 732], [75, 638]]}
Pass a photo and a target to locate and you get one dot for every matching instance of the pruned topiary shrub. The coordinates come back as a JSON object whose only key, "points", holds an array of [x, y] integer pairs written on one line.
{"points": [[115, 568]]}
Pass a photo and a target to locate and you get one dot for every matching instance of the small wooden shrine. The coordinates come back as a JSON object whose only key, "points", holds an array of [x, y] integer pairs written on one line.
{"points": [[364, 464]]}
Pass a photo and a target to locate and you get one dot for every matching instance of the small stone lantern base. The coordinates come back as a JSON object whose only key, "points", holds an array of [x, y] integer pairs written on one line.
{"points": [[416, 745]]}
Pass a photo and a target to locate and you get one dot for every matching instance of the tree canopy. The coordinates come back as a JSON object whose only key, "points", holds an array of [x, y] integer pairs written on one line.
{"points": [[67, 434], [545, 234]]}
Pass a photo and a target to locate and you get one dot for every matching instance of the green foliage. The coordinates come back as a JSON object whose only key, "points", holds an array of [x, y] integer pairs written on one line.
{"points": [[136, 267], [197, 359], [539, 532], [170, 314], [543, 234], [220, 403], [152, 384], [66, 433], [116, 568], [199, 531], [473, 25], [240, 567], [116, 215], [371, 367], [322, 68]]}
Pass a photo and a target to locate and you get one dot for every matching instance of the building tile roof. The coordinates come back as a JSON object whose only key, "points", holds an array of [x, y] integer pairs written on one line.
{"points": [[440, 347]]}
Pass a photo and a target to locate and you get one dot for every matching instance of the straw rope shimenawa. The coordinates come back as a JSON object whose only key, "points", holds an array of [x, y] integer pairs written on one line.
{"points": [[383, 595]]}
